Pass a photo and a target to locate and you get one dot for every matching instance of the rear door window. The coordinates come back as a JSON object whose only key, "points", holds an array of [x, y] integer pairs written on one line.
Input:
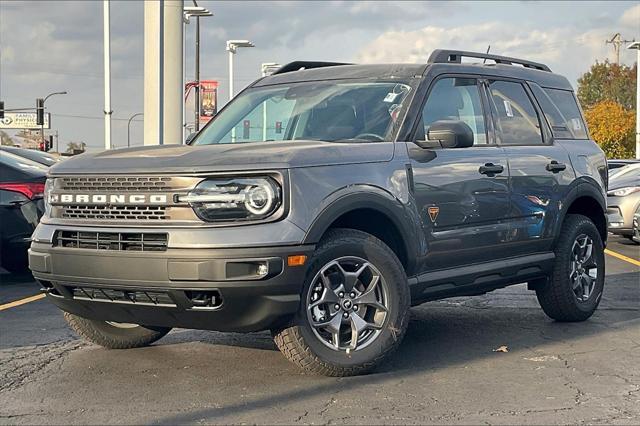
{"points": [[516, 117]]}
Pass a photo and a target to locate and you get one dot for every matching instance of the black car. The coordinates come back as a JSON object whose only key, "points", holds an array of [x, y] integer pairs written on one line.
{"points": [[43, 158], [21, 206]]}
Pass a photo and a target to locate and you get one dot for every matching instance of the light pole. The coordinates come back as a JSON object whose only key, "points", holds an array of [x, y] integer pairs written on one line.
{"points": [[43, 103], [636, 45], [107, 74], [197, 12], [232, 46], [129, 128], [267, 68]]}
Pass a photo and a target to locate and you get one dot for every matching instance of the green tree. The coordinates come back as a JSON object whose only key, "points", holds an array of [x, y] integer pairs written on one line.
{"points": [[76, 147], [608, 82]]}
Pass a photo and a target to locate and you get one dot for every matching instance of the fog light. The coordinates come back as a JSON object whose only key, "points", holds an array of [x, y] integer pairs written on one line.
{"points": [[263, 269]]}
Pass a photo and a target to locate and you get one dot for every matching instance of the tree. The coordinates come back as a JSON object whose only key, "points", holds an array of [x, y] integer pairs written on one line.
{"points": [[606, 81], [613, 128], [5, 139]]}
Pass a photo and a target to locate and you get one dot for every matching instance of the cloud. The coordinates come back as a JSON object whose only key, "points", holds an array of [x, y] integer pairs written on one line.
{"points": [[565, 50], [631, 18]]}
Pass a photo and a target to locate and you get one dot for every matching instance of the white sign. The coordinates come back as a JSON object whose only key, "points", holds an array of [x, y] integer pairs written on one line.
{"points": [[22, 120]]}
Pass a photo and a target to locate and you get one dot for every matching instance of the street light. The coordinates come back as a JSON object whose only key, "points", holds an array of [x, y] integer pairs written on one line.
{"points": [[43, 102], [197, 12], [636, 45], [267, 68], [129, 128], [232, 46]]}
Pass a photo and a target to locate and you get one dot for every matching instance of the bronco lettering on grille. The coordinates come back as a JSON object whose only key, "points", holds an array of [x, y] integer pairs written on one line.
{"points": [[108, 199]]}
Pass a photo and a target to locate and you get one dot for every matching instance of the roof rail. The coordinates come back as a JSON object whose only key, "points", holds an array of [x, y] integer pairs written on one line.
{"points": [[441, 56], [300, 65]]}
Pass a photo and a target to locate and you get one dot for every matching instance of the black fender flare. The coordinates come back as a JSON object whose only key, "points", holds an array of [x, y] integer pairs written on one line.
{"points": [[582, 187], [362, 196]]}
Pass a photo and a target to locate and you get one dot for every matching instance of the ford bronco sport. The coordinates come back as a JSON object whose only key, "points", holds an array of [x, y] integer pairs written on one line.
{"points": [[325, 200]]}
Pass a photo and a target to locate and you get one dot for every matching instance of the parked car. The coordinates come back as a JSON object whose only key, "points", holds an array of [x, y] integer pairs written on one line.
{"points": [[21, 206], [616, 164], [41, 157], [636, 227], [623, 200], [368, 189]]}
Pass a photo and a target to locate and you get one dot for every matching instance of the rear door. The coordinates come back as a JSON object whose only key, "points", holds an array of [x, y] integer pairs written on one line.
{"points": [[540, 170], [462, 193]]}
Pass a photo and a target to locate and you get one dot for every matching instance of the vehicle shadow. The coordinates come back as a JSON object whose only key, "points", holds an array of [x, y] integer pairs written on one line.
{"points": [[439, 336]]}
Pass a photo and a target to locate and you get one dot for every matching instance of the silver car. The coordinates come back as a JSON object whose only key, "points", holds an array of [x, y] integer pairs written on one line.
{"points": [[623, 199]]}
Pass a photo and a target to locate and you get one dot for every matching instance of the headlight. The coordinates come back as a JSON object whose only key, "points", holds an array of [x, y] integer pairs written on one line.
{"points": [[622, 192], [235, 199], [48, 189]]}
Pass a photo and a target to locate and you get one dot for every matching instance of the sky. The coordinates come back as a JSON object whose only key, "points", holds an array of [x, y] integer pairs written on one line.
{"points": [[48, 46]]}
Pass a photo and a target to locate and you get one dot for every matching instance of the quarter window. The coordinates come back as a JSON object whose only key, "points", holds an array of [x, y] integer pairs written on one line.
{"points": [[516, 117], [566, 103], [455, 99]]}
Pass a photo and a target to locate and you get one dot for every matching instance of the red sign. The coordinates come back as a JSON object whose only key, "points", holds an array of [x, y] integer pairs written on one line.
{"points": [[208, 99]]}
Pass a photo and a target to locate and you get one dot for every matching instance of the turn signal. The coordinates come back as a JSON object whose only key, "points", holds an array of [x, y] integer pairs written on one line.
{"points": [[296, 260]]}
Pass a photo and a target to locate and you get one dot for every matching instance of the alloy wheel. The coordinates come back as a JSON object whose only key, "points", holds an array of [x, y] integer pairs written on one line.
{"points": [[584, 269], [347, 304]]}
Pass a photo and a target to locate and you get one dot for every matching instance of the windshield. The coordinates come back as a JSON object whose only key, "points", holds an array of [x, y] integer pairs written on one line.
{"points": [[318, 110]]}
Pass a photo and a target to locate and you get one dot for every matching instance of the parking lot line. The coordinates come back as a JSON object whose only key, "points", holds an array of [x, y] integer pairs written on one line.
{"points": [[622, 257], [21, 301]]}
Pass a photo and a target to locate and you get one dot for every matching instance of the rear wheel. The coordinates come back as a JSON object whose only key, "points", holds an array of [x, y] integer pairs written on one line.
{"points": [[115, 335], [575, 288], [354, 307]]}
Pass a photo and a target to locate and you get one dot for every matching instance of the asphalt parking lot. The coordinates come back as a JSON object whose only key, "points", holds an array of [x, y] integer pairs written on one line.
{"points": [[446, 370]]}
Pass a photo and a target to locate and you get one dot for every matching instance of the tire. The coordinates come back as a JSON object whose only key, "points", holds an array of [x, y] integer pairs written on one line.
{"points": [[557, 297], [124, 336], [314, 348]]}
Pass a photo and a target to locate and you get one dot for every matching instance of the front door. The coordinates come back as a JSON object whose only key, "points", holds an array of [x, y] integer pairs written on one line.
{"points": [[462, 193]]}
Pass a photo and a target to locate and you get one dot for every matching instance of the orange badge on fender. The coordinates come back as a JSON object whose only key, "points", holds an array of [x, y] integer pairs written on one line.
{"points": [[433, 213]]}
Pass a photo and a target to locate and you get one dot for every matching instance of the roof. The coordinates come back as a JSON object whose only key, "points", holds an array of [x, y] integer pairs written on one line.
{"points": [[504, 67]]}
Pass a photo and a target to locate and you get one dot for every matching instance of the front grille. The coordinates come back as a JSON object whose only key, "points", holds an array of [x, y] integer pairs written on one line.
{"points": [[120, 241], [138, 297], [115, 184], [114, 212]]}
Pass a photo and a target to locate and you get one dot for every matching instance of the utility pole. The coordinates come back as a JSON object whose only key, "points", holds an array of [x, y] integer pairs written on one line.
{"points": [[617, 41], [636, 46], [107, 75]]}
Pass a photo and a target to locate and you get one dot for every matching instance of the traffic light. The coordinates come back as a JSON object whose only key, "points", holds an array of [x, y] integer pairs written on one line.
{"points": [[49, 143], [40, 112], [1, 110], [41, 146]]}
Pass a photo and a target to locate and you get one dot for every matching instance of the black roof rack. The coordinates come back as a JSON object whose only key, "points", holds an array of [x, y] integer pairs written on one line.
{"points": [[441, 56], [300, 65]]}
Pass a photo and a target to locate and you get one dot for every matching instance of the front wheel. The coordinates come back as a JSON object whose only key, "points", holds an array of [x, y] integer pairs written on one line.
{"points": [[575, 287], [354, 307], [114, 335]]}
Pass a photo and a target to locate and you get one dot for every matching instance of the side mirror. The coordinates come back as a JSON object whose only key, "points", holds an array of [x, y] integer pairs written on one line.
{"points": [[451, 134], [190, 138]]}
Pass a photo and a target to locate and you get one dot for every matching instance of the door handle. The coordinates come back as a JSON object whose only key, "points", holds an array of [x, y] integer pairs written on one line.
{"points": [[556, 167], [491, 169]]}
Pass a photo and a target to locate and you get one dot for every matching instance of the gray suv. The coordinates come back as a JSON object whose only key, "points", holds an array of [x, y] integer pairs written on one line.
{"points": [[327, 199]]}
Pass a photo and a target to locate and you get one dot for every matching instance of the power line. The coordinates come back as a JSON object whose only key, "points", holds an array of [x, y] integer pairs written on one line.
{"points": [[89, 117], [617, 41]]}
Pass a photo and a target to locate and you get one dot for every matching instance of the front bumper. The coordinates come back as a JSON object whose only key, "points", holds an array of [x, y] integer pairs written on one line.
{"points": [[188, 288], [620, 212]]}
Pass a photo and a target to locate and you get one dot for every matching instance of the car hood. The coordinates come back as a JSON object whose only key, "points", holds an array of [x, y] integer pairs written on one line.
{"points": [[631, 179], [224, 157]]}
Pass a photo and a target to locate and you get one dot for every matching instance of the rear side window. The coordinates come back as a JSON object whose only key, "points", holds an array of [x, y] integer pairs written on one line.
{"points": [[561, 111], [516, 116]]}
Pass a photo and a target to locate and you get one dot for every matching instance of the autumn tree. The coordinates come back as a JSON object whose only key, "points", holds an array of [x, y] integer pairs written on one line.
{"points": [[613, 127], [608, 82]]}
